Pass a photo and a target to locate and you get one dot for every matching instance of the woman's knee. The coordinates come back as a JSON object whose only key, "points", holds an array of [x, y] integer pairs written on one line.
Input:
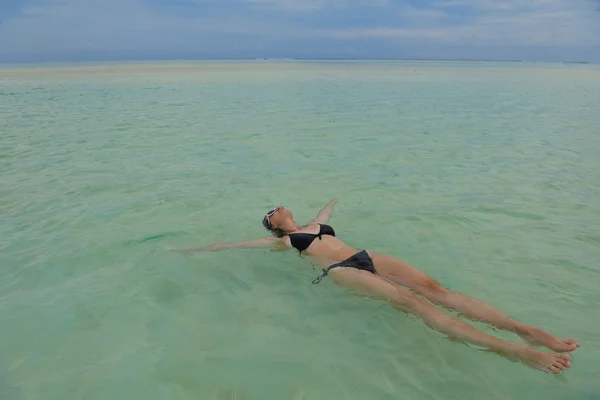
{"points": [[406, 300], [431, 289]]}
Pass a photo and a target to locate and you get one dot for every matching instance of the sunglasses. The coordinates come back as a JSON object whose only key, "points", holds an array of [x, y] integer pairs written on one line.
{"points": [[269, 215]]}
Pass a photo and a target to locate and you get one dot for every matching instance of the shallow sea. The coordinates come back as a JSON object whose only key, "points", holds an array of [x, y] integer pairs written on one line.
{"points": [[484, 175]]}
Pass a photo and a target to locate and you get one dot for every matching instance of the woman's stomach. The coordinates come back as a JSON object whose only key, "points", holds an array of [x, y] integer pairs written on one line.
{"points": [[329, 251]]}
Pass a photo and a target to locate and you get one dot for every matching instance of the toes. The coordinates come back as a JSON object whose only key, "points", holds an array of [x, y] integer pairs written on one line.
{"points": [[561, 361], [565, 345], [561, 364], [565, 357], [554, 370], [558, 367], [572, 343], [564, 361]]}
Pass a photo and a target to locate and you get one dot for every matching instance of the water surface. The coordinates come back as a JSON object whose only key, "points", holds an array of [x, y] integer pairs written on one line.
{"points": [[484, 175]]}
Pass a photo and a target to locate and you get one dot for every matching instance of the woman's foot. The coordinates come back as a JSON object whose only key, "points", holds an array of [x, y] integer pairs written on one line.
{"points": [[537, 337], [546, 362]]}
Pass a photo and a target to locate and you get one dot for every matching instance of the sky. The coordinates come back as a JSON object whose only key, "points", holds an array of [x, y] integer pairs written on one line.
{"points": [[89, 30]]}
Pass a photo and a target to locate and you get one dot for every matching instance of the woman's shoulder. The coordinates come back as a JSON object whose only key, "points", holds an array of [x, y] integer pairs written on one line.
{"points": [[282, 243]]}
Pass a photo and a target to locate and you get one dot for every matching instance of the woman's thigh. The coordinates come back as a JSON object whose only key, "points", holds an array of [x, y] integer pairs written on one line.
{"points": [[373, 286], [403, 273]]}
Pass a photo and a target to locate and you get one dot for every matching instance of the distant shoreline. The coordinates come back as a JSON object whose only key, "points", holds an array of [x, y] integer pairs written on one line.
{"points": [[4, 64], [251, 65]]}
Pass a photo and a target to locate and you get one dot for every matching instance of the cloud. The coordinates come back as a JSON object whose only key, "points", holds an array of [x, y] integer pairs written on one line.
{"points": [[34, 29], [294, 5], [397, 33], [118, 26], [491, 22], [540, 22], [313, 5]]}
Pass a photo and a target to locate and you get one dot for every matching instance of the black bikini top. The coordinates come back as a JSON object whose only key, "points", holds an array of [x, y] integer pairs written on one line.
{"points": [[302, 240]]}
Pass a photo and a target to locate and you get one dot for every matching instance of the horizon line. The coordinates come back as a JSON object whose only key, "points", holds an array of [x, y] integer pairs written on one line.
{"points": [[301, 59]]}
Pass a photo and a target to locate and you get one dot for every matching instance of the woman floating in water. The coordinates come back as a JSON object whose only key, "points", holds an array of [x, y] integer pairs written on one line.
{"points": [[386, 278]]}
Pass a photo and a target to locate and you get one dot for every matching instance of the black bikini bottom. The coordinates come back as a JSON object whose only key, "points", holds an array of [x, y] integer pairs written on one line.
{"points": [[360, 260]]}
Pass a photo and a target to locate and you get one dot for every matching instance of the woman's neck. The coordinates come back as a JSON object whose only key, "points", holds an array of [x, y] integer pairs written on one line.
{"points": [[289, 227]]}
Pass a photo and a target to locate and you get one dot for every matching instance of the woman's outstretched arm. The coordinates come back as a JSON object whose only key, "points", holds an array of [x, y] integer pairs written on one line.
{"points": [[325, 213], [248, 244]]}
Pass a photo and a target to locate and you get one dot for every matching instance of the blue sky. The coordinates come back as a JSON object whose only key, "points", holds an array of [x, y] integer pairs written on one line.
{"points": [[56, 30]]}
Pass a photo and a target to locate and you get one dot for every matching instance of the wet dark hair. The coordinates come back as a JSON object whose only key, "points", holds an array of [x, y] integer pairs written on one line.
{"points": [[274, 231]]}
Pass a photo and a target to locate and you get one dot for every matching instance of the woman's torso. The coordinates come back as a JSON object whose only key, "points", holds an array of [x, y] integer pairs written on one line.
{"points": [[325, 249]]}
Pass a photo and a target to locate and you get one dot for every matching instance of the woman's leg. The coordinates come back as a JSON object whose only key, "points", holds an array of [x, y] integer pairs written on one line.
{"points": [[406, 301], [404, 274]]}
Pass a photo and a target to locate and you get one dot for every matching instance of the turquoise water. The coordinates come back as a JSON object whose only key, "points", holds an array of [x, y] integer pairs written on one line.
{"points": [[484, 175]]}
